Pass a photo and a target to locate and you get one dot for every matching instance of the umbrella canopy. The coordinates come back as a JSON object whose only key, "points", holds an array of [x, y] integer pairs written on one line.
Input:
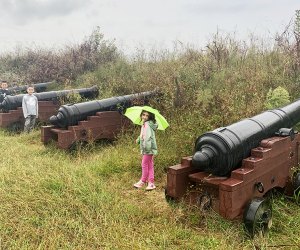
{"points": [[134, 114]]}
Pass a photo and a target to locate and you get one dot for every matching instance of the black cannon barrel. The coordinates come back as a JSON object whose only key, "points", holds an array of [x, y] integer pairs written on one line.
{"points": [[222, 150], [38, 87], [13, 102], [69, 115]]}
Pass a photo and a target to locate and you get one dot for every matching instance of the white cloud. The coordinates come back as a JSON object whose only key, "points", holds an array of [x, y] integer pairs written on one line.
{"points": [[26, 11], [135, 22]]}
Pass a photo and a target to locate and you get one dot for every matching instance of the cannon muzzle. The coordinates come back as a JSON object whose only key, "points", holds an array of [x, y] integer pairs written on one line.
{"points": [[13, 102], [69, 115], [222, 150]]}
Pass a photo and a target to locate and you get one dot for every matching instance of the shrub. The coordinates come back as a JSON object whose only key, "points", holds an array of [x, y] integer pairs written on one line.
{"points": [[40, 65], [277, 98]]}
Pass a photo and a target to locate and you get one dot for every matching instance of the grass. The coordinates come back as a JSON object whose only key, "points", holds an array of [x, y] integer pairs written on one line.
{"points": [[51, 199]]}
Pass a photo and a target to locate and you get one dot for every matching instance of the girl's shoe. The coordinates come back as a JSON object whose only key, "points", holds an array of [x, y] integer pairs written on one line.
{"points": [[150, 186], [139, 184]]}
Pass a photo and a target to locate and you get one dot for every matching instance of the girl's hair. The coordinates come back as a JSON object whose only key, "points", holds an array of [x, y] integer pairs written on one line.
{"points": [[151, 116]]}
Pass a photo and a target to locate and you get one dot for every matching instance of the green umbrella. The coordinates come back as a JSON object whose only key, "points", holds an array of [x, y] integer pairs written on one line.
{"points": [[134, 114]]}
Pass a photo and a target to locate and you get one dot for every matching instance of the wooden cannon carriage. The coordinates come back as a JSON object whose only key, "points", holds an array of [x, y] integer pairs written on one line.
{"points": [[102, 125], [234, 168]]}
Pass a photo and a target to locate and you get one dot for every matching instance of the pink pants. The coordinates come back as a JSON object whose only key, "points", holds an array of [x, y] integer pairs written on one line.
{"points": [[148, 168]]}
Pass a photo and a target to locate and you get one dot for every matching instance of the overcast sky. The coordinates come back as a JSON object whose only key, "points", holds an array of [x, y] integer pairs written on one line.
{"points": [[136, 23]]}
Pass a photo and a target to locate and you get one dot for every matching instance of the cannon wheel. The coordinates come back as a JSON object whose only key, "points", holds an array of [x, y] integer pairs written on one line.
{"points": [[297, 183], [77, 145], [258, 216], [297, 187], [204, 202], [168, 198]]}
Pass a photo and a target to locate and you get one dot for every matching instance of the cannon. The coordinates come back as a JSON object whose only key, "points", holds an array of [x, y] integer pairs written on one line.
{"points": [[235, 167], [222, 150], [49, 102], [13, 102], [69, 115], [38, 87], [91, 121]]}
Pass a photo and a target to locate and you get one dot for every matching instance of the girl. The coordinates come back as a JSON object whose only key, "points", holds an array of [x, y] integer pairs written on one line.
{"points": [[148, 148]]}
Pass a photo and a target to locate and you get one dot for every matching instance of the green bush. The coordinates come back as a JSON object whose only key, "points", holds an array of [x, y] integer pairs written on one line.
{"points": [[277, 98]]}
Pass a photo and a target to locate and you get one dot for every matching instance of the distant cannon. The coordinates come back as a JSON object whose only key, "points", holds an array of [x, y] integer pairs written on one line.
{"points": [[13, 102], [69, 115], [49, 102], [234, 168], [38, 87], [91, 121]]}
